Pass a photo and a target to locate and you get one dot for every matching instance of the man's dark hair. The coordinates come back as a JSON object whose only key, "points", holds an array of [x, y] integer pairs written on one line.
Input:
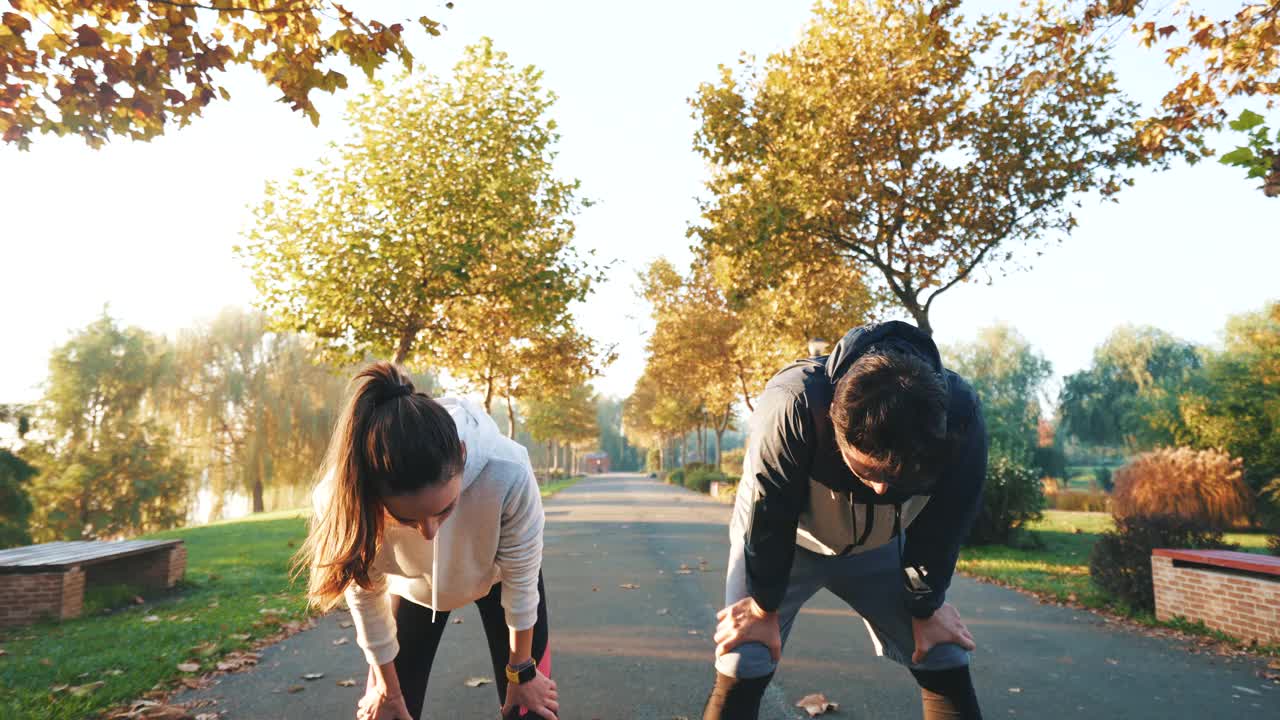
{"points": [[892, 407]]}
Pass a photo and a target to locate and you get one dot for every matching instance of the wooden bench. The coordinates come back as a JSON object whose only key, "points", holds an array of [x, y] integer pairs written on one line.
{"points": [[1237, 593], [48, 580]]}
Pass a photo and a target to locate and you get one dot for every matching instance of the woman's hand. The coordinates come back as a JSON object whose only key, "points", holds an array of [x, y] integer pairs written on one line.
{"points": [[379, 704], [539, 696]]}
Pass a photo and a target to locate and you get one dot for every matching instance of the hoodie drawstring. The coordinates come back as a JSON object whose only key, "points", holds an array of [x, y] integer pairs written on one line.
{"points": [[435, 576]]}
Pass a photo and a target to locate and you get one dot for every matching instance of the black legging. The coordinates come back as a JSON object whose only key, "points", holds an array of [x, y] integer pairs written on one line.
{"points": [[419, 639]]}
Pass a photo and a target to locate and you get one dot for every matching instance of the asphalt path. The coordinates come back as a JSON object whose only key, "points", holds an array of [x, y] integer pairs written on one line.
{"points": [[645, 652]]}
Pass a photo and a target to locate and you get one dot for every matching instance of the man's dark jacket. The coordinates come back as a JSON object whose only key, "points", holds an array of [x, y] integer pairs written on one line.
{"points": [[806, 495]]}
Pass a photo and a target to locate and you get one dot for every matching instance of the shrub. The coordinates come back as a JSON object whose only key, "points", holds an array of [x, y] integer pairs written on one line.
{"points": [[1102, 476], [653, 461], [700, 479], [1273, 544], [731, 462], [1120, 562], [1011, 497], [1080, 501], [1205, 487], [1050, 461], [676, 477]]}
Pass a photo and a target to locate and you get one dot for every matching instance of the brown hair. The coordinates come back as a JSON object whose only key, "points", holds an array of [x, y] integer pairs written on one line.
{"points": [[388, 440], [892, 406]]}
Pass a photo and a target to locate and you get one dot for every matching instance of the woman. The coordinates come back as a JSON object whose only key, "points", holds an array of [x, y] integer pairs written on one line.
{"points": [[423, 508]]}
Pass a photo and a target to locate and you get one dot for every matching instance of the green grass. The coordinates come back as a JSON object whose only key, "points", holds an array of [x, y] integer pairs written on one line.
{"points": [[235, 571], [556, 486], [1055, 559]]}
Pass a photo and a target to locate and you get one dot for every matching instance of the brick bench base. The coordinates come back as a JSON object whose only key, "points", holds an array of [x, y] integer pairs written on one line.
{"points": [[40, 596], [59, 594], [1244, 605]]}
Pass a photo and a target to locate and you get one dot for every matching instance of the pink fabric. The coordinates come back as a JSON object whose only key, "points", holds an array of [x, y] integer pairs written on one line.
{"points": [[544, 667]]}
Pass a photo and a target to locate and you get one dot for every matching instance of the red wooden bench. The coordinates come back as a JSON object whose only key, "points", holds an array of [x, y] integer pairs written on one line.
{"points": [[1237, 593], [48, 580]]}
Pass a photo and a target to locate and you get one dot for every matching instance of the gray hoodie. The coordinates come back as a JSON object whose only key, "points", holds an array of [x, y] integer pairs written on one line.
{"points": [[494, 535]]}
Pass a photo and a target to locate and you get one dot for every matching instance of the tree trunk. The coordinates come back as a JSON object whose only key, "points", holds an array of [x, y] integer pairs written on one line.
{"points": [[919, 313], [258, 504], [511, 418], [746, 396], [407, 338], [702, 444], [550, 455], [719, 435], [488, 393]]}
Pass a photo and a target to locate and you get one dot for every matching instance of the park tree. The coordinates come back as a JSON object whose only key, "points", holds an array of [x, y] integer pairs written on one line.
{"points": [[909, 142], [821, 299], [565, 421], [1220, 61], [1009, 376], [15, 505], [1236, 406], [516, 354], [135, 68], [691, 350], [107, 467], [253, 408], [1130, 394], [443, 206], [623, 455]]}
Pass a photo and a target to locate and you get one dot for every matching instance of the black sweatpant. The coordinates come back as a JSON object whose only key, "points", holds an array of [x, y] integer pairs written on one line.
{"points": [[419, 639]]}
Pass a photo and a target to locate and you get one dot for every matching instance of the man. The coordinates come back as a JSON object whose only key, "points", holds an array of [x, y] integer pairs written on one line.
{"points": [[863, 474]]}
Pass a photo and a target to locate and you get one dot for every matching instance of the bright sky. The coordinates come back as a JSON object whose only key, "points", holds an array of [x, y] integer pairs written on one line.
{"points": [[147, 228]]}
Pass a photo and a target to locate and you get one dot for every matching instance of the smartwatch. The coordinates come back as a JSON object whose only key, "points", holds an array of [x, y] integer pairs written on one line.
{"points": [[522, 673]]}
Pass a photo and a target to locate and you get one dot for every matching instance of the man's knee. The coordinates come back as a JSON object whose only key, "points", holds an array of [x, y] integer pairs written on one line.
{"points": [[944, 656], [749, 660]]}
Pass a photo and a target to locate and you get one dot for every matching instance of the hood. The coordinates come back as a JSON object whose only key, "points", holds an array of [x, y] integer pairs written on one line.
{"points": [[894, 335], [477, 430]]}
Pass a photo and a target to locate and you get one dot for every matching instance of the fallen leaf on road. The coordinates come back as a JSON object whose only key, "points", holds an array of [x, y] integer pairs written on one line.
{"points": [[595, 589], [341, 641], [347, 683], [82, 690], [152, 710], [1006, 608], [477, 682], [295, 689], [345, 623], [816, 704], [208, 716], [1111, 661], [684, 572], [664, 611], [629, 586], [312, 676], [189, 667], [457, 621], [1015, 691], [693, 632]]}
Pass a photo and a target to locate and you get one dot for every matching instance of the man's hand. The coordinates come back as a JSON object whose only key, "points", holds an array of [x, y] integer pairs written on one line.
{"points": [[744, 622], [943, 626]]}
